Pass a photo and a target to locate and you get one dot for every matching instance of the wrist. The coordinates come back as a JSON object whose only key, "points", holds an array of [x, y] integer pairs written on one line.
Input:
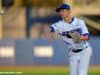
{"points": [[84, 38]]}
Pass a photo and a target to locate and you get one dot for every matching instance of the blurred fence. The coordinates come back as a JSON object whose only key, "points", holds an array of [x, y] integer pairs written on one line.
{"points": [[20, 23], [40, 51], [14, 23], [93, 3], [29, 22]]}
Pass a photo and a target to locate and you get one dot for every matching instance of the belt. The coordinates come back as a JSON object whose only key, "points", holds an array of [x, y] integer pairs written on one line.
{"points": [[78, 50]]}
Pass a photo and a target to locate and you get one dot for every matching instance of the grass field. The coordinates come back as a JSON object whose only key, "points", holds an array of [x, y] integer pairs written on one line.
{"points": [[41, 70]]}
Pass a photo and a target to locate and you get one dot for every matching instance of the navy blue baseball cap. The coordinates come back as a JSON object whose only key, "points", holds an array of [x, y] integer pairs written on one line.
{"points": [[63, 6]]}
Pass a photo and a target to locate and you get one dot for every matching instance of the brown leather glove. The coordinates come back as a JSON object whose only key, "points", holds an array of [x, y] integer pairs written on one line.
{"points": [[75, 36]]}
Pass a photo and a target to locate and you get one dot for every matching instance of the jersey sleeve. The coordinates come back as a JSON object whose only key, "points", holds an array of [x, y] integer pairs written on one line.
{"points": [[54, 28], [83, 27]]}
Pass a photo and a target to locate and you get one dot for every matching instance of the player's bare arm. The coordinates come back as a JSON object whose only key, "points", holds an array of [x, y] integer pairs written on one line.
{"points": [[84, 37], [48, 33]]}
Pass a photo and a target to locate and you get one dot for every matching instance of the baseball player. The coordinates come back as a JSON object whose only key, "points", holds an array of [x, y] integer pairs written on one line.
{"points": [[75, 33]]}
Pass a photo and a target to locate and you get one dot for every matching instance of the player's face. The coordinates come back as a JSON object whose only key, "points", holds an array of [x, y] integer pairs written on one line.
{"points": [[64, 13]]}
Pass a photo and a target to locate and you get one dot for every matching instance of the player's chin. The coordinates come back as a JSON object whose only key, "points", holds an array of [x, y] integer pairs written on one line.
{"points": [[64, 17]]}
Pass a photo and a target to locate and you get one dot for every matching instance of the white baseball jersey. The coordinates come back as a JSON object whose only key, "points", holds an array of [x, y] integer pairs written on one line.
{"points": [[61, 27]]}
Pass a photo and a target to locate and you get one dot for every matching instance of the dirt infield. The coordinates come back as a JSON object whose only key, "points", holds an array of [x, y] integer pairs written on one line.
{"points": [[41, 68]]}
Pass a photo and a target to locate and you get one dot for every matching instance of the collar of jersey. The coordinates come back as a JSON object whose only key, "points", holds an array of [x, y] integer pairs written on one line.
{"points": [[70, 21]]}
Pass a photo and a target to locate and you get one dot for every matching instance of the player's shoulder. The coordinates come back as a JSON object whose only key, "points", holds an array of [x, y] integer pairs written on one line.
{"points": [[79, 20], [58, 23]]}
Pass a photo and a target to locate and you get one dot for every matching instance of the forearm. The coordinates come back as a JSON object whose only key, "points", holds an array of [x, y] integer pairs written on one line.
{"points": [[48, 33], [85, 37]]}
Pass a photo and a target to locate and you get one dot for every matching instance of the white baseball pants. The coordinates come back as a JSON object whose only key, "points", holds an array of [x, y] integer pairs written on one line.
{"points": [[79, 62]]}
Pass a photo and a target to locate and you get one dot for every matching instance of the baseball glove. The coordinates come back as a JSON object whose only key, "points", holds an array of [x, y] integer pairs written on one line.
{"points": [[75, 36]]}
